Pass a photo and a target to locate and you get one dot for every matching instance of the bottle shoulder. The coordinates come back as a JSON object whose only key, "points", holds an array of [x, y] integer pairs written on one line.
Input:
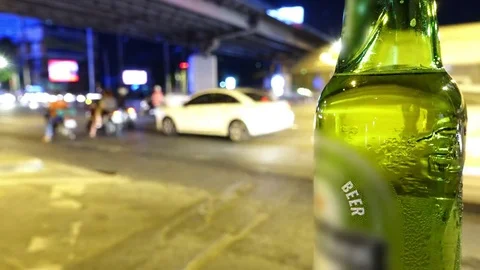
{"points": [[435, 88]]}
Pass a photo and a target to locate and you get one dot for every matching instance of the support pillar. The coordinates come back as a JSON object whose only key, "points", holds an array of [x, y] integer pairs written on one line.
{"points": [[120, 51], [106, 70], [202, 72], [166, 67], [91, 60]]}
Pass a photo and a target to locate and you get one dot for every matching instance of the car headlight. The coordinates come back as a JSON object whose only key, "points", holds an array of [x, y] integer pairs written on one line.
{"points": [[117, 117], [70, 123], [132, 113]]}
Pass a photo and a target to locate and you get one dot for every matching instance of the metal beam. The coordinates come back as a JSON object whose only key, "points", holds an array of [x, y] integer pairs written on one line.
{"points": [[228, 16]]}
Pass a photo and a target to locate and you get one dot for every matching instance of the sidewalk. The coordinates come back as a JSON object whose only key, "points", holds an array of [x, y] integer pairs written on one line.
{"points": [[62, 217]]}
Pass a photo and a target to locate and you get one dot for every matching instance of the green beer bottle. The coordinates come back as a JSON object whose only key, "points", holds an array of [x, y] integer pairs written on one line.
{"points": [[389, 145]]}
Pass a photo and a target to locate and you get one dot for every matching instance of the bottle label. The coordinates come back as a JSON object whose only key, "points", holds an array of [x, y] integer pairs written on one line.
{"points": [[350, 199], [337, 248], [343, 250]]}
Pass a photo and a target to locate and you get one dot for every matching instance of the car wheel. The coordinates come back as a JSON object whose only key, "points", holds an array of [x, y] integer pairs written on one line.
{"points": [[168, 127], [237, 131]]}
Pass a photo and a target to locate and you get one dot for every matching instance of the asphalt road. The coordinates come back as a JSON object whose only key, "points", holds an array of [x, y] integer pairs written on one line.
{"points": [[278, 168]]}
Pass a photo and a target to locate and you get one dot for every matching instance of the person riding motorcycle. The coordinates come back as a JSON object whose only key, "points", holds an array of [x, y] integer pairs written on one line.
{"points": [[55, 114], [107, 105]]}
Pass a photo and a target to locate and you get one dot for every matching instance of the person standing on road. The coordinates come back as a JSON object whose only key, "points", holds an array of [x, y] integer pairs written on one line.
{"points": [[107, 104], [157, 97]]}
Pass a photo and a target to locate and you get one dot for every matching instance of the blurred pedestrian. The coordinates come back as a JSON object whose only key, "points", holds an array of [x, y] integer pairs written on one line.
{"points": [[107, 105], [55, 114], [157, 97]]}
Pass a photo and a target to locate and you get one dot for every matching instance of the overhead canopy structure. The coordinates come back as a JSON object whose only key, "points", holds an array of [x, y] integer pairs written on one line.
{"points": [[235, 27], [460, 45]]}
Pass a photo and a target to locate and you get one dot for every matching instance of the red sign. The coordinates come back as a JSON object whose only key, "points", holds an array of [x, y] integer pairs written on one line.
{"points": [[63, 71], [184, 65]]}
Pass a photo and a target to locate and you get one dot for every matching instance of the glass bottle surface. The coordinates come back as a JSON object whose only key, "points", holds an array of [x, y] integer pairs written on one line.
{"points": [[390, 138]]}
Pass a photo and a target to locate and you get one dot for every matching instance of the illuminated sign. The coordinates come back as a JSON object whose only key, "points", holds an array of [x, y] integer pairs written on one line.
{"points": [[184, 65], [288, 15], [63, 71], [135, 77]]}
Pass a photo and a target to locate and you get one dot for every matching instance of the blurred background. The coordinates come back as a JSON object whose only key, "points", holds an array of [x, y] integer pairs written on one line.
{"points": [[141, 194]]}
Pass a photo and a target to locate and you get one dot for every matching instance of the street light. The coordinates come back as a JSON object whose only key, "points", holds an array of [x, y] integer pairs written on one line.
{"points": [[3, 62], [230, 83], [278, 85]]}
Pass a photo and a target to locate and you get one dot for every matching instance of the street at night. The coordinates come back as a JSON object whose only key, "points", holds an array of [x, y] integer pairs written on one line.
{"points": [[146, 201], [239, 135]]}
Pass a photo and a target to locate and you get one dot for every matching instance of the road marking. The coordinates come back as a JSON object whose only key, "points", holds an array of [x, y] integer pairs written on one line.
{"points": [[47, 267], [38, 243], [74, 232], [66, 204], [208, 207], [223, 243], [59, 191]]}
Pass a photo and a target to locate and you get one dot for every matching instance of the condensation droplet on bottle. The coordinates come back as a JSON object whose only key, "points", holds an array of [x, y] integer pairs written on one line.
{"points": [[413, 22]]}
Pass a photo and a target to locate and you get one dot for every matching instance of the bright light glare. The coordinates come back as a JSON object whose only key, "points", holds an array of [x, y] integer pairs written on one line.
{"points": [[63, 71], [52, 98], [81, 98], [223, 84], [288, 15], [94, 96], [473, 146], [278, 85], [7, 106], [328, 59], [69, 98], [33, 105], [230, 83], [7, 102], [304, 92], [3, 62], [337, 46], [117, 117], [132, 113], [7, 98], [471, 171], [70, 123]]}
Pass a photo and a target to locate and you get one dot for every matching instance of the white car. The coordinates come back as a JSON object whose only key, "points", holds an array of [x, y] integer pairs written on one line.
{"points": [[237, 114]]}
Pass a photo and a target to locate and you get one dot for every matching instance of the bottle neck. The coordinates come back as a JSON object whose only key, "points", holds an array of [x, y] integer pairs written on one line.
{"points": [[389, 36]]}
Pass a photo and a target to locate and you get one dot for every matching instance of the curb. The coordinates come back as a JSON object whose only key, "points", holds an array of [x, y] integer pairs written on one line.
{"points": [[29, 166]]}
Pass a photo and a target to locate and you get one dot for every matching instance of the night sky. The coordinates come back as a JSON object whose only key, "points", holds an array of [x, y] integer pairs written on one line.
{"points": [[326, 15]]}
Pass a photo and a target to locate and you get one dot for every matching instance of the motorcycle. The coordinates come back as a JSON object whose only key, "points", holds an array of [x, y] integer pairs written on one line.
{"points": [[66, 127], [112, 123]]}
